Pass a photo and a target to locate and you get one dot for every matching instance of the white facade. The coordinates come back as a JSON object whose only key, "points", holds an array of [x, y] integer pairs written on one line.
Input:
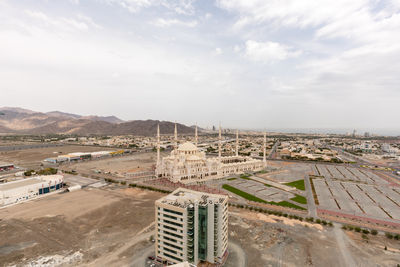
{"points": [[387, 148], [192, 226], [22, 190], [187, 164]]}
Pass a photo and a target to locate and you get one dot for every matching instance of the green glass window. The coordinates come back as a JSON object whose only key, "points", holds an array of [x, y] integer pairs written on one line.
{"points": [[202, 234]]}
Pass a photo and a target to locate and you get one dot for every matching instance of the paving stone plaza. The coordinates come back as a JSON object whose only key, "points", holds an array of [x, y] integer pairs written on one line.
{"points": [[260, 190]]}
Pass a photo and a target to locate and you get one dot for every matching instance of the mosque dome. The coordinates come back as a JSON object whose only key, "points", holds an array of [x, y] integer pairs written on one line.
{"points": [[187, 146]]}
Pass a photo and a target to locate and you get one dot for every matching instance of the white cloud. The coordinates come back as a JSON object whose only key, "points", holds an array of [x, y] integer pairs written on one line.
{"points": [[356, 20], [80, 22], [133, 5], [268, 51], [183, 7], [350, 60], [292, 13], [160, 22]]}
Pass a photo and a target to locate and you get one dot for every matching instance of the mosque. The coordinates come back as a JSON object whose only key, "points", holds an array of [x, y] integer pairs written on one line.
{"points": [[187, 164]]}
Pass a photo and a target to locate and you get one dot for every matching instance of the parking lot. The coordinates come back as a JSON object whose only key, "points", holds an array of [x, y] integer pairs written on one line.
{"points": [[78, 180], [356, 191], [345, 173]]}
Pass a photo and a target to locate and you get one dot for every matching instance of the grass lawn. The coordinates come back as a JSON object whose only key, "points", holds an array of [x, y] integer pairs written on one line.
{"points": [[231, 179], [256, 199], [243, 194], [299, 199], [299, 184], [245, 177]]}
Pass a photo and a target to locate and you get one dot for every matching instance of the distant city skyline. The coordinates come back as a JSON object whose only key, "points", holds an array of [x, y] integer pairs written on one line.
{"points": [[247, 64]]}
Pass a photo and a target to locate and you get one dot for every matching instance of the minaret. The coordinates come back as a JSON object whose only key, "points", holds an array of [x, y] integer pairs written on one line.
{"points": [[219, 143], [264, 148], [196, 138], [176, 151], [176, 137], [237, 143], [158, 144]]}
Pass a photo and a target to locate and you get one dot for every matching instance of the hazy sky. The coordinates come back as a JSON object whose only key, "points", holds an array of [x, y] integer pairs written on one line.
{"points": [[281, 63]]}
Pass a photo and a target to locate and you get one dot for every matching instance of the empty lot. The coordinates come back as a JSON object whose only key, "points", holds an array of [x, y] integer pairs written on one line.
{"points": [[32, 158], [91, 225]]}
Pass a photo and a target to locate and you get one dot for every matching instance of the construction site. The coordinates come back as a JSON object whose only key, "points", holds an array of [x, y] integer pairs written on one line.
{"points": [[114, 226]]}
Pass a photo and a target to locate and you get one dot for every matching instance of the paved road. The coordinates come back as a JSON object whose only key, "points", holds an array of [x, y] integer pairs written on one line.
{"points": [[30, 146], [237, 257], [312, 209], [141, 260], [273, 150], [80, 180]]}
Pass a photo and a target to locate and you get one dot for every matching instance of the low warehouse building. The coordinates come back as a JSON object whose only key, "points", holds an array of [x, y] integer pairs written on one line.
{"points": [[21, 190], [6, 166], [74, 188]]}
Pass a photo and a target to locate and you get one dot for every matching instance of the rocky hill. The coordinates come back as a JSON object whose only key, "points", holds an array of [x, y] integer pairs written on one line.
{"points": [[22, 121]]}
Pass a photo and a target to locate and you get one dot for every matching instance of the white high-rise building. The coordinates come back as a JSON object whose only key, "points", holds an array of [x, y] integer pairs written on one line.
{"points": [[192, 226]]}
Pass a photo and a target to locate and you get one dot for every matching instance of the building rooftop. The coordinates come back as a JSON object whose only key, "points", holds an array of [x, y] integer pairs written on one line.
{"points": [[187, 146], [4, 164], [28, 181], [183, 197]]}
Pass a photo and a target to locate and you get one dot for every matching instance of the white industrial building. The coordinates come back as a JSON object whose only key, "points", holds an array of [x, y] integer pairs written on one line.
{"points": [[192, 226], [22, 190]]}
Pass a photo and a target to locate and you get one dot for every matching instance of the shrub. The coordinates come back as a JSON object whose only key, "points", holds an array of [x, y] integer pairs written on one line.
{"points": [[389, 235], [357, 229], [318, 221], [374, 232], [364, 236], [28, 173], [397, 237], [344, 227], [47, 171], [365, 231]]}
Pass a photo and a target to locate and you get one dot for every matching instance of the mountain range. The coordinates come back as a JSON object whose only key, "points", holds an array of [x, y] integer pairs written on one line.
{"points": [[14, 120]]}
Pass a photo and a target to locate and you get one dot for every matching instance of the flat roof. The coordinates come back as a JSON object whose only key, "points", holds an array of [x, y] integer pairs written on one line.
{"points": [[183, 197], [27, 181], [19, 183], [2, 164]]}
